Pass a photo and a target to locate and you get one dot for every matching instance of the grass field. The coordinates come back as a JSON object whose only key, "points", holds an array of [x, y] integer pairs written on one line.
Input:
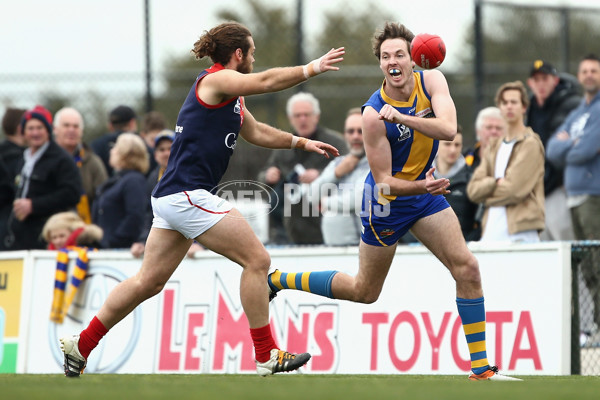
{"points": [[291, 387]]}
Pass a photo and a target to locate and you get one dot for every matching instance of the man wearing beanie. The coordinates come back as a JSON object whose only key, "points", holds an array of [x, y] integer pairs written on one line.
{"points": [[48, 182]]}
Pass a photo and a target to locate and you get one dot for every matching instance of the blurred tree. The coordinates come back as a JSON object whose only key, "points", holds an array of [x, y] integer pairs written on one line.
{"points": [[54, 101], [95, 115], [268, 24]]}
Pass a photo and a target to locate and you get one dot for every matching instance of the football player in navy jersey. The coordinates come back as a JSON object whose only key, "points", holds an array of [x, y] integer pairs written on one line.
{"points": [[209, 123]]}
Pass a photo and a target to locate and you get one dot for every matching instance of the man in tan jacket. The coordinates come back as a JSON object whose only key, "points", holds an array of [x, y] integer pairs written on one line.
{"points": [[510, 178]]}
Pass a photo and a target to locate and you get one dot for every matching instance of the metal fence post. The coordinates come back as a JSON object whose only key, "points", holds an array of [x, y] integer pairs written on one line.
{"points": [[575, 330]]}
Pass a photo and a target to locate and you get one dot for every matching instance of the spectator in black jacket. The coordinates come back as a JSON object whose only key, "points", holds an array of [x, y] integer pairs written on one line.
{"points": [[121, 202], [11, 154], [554, 96], [12, 147], [450, 163], [48, 182], [121, 119], [7, 196]]}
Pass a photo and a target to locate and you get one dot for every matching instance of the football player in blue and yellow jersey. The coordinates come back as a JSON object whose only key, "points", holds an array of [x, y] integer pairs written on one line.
{"points": [[402, 124]]}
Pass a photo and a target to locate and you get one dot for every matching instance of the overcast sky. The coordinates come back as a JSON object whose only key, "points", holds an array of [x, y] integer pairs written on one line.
{"points": [[108, 35]]}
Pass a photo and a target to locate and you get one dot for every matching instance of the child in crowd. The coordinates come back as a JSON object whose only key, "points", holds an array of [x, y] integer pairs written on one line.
{"points": [[67, 232], [68, 229]]}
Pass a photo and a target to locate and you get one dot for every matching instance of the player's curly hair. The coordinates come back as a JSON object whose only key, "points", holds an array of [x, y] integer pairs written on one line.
{"points": [[391, 30], [220, 42]]}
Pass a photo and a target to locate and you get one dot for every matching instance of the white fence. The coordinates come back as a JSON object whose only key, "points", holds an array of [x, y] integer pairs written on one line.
{"points": [[196, 324]]}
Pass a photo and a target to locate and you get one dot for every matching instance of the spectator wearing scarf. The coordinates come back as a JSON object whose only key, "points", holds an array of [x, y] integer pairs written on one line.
{"points": [[66, 232], [68, 134]]}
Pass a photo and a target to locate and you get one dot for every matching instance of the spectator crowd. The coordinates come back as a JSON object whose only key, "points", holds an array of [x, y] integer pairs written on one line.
{"points": [[529, 176]]}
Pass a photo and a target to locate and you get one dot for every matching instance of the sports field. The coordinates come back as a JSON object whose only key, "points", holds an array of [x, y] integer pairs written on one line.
{"points": [[289, 387]]}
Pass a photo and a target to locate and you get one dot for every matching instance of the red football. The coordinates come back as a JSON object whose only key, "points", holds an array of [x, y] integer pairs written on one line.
{"points": [[428, 51]]}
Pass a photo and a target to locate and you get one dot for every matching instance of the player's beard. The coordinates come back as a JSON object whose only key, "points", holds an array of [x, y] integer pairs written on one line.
{"points": [[245, 66]]}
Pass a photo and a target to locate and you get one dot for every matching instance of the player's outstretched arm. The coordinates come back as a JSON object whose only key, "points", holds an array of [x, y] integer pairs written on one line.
{"points": [[261, 134], [315, 146], [230, 83], [379, 155], [444, 125]]}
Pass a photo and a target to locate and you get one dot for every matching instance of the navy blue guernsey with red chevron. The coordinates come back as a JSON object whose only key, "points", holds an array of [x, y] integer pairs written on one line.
{"points": [[205, 137]]}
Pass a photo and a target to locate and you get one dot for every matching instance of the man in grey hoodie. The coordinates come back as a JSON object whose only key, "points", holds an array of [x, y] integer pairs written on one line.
{"points": [[576, 146]]}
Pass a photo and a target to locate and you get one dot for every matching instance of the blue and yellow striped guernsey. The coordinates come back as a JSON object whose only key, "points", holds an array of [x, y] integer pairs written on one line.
{"points": [[412, 151]]}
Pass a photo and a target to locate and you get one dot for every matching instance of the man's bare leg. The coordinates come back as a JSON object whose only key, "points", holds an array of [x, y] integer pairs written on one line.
{"points": [[165, 249], [441, 234], [365, 287], [233, 238]]}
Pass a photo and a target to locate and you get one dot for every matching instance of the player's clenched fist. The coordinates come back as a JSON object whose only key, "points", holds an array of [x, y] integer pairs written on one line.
{"points": [[390, 114]]}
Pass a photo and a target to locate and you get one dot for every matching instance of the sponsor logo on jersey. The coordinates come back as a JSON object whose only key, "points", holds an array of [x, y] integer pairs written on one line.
{"points": [[426, 113], [404, 132], [230, 140]]}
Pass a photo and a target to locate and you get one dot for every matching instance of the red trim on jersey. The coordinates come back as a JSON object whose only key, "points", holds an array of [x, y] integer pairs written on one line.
{"points": [[216, 67], [203, 209]]}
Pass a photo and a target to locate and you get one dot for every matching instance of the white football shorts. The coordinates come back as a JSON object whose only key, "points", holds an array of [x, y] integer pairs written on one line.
{"points": [[189, 212]]}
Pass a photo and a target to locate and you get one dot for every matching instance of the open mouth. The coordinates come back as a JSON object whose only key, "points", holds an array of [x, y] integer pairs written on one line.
{"points": [[394, 72]]}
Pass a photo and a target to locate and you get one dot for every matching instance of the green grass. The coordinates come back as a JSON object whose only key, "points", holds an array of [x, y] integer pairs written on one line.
{"points": [[291, 387]]}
